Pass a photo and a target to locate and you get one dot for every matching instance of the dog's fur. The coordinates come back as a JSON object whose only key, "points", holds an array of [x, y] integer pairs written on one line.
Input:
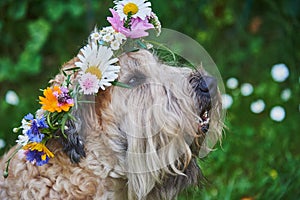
{"points": [[140, 143]]}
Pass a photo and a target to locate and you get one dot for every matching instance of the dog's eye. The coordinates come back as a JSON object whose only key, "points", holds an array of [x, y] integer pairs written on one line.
{"points": [[132, 81], [136, 79]]}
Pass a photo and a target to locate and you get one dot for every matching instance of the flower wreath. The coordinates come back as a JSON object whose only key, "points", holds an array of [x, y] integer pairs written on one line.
{"points": [[96, 69]]}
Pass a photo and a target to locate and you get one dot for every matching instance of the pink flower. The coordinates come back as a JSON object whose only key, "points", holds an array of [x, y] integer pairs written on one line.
{"points": [[89, 83], [138, 26], [116, 21]]}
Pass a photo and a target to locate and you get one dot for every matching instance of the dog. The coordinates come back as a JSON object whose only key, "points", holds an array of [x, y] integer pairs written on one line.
{"points": [[140, 142]]}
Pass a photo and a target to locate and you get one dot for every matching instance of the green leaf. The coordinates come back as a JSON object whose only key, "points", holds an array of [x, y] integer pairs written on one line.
{"points": [[120, 84], [141, 44], [63, 123], [72, 69]]}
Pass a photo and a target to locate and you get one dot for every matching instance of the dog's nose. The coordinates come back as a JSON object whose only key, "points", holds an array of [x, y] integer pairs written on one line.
{"points": [[208, 85], [204, 85]]}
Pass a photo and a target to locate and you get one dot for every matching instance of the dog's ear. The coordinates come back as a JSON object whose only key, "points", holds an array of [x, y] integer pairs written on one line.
{"points": [[73, 134], [73, 142], [158, 136], [87, 113]]}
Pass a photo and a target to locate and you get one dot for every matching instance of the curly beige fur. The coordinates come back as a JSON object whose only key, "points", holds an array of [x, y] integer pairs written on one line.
{"points": [[139, 142]]}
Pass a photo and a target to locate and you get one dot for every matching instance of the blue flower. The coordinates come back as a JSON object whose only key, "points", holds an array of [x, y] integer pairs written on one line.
{"points": [[34, 132], [29, 117], [37, 152], [42, 122], [32, 155]]}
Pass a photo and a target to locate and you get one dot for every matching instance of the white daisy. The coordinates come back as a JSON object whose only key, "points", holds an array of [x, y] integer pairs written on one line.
{"points": [[40, 113], [108, 37], [97, 61], [25, 126], [120, 37], [138, 8], [95, 36], [22, 140], [108, 29], [115, 45]]}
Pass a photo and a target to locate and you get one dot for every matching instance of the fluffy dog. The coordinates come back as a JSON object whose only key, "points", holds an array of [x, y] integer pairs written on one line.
{"points": [[140, 142]]}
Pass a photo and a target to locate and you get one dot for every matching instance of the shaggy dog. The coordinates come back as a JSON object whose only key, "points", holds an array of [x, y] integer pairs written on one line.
{"points": [[139, 143]]}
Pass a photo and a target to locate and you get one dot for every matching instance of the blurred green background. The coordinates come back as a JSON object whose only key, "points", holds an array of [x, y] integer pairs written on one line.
{"points": [[255, 45]]}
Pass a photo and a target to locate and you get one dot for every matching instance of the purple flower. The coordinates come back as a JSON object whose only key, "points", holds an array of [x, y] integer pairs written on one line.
{"points": [[63, 97], [32, 155], [137, 28]]}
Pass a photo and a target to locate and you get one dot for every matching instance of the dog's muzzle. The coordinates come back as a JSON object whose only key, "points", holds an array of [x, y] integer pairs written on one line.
{"points": [[205, 89]]}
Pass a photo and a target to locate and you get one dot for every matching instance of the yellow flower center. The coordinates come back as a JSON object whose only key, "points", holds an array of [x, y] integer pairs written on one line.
{"points": [[44, 156], [95, 71], [130, 8]]}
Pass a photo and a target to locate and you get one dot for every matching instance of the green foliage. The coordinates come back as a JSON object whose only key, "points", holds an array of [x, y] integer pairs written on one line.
{"points": [[259, 158]]}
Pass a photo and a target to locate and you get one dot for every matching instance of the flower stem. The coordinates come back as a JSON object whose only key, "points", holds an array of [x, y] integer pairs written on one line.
{"points": [[5, 173], [49, 121]]}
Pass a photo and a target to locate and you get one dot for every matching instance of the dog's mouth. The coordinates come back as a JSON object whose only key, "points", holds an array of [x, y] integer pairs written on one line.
{"points": [[204, 122], [204, 89]]}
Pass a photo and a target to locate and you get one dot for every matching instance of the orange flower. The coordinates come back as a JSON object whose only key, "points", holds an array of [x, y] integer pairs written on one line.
{"points": [[56, 100]]}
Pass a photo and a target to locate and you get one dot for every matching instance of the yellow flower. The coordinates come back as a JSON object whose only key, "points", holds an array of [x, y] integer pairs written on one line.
{"points": [[39, 147]]}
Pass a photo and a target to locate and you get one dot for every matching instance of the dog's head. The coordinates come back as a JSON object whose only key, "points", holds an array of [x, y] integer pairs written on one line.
{"points": [[157, 125]]}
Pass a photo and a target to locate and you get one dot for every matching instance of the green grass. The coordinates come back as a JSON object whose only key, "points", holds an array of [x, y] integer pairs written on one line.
{"points": [[260, 165]]}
